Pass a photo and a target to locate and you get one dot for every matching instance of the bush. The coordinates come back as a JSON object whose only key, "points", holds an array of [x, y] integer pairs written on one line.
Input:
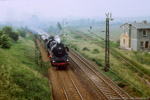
{"points": [[114, 44], [78, 37], [12, 34], [98, 61], [95, 51], [15, 36], [85, 49], [4, 40], [22, 32]]}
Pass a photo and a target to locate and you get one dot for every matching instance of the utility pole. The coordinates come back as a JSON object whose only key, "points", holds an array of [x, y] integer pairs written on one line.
{"points": [[107, 65]]}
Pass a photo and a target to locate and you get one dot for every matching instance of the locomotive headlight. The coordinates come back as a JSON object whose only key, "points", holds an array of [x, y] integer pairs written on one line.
{"points": [[67, 60], [53, 61]]}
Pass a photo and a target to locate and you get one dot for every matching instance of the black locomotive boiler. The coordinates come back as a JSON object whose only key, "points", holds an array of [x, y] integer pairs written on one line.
{"points": [[57, 52]]}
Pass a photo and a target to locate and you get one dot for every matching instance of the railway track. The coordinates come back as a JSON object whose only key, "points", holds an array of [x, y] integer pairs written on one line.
{"points": [[107, 89], [70, 89]]}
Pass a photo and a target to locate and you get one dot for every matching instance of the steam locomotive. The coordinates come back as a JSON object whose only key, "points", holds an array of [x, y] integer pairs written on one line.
{"points": [[57, 51]]}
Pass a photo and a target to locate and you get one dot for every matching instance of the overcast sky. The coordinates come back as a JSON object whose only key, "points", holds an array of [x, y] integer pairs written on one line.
{"points": [[15, 9]]}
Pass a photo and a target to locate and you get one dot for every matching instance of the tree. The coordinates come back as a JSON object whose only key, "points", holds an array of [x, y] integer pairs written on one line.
{"points": [[15, 36], [1, 33], [5, 41], [22, 32], [59, 26], [12, 34]]}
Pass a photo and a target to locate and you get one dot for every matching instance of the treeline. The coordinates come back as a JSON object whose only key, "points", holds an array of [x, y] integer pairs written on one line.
{"points": [[8, 35]]}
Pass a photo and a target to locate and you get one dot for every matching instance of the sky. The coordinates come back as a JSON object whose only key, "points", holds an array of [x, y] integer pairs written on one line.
{"points": [[23, 9]]}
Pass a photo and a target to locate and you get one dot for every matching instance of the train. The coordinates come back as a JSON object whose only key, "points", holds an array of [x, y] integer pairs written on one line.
{"points": [[57, 51]]}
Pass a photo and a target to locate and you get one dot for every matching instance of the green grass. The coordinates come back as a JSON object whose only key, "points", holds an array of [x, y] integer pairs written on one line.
{"points": [[123, 74], [134, 63], [20, 77]]}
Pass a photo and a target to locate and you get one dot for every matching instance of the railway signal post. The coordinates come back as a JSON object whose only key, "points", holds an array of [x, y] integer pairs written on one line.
{"points": [[107, 65]]}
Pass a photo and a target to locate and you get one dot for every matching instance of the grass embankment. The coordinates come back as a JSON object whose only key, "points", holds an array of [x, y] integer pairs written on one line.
{"points": [[141, 60], [20, 77], [90, 50]]}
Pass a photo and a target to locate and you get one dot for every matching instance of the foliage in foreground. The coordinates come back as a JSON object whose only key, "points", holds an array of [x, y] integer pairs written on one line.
{"points": [[6, 35], [4, 40], [11, 33], [20, 77]]}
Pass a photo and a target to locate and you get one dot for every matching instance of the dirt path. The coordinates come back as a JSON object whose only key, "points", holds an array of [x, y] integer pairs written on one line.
{"points": [[43, 51]]}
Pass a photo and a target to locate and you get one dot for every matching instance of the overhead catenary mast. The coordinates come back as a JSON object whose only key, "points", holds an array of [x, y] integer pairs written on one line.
{"points": [[107, 64]]}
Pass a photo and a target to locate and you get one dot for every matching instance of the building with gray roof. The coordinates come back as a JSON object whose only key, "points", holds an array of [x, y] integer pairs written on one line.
{"points": [[135, 36]]}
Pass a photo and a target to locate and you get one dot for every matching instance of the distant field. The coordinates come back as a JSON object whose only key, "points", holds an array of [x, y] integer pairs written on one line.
{"points": [[20, 77], [115, 31]]}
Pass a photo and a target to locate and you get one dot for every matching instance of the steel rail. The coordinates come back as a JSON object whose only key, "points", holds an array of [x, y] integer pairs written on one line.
{"points": [[103, 75], [75, 87], [66, 95], [106, 98], [63, 87]]}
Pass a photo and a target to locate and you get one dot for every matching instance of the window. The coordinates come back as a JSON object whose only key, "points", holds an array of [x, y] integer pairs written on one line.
{"points": [[146, 44], [144, 33], [142, 44]]}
